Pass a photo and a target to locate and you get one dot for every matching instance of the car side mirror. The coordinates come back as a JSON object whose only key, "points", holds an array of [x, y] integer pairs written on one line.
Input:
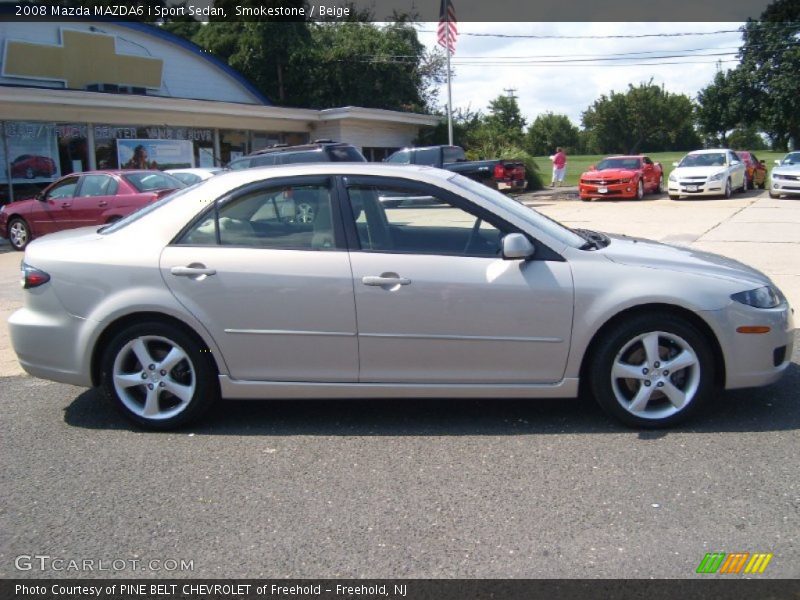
{"points": [[777, 162], [735, 162], [674, 164], [591, 167], [39, 196], [517, 247], [761, 162]]}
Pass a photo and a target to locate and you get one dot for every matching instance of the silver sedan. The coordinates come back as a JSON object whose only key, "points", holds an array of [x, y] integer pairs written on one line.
{"points": [[303, 282]]}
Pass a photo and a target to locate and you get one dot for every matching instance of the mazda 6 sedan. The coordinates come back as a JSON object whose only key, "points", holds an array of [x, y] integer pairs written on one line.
{"points": [[227, 289]]}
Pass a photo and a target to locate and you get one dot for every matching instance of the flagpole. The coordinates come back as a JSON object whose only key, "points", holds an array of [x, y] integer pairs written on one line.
{"points": [[449, 87]]}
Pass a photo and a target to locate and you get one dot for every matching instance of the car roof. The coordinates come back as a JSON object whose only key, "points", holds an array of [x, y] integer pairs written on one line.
{"points": [[711, 151], [300, 148]]}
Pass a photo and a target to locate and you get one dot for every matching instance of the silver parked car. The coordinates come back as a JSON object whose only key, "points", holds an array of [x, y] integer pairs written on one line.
{"points": [[221, 289]]}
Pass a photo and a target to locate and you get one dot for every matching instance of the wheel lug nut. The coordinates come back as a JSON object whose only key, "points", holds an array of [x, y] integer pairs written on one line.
{"points": [[660, 384], [144, 375], [149, 386], [163, 372], [162, 384], [645, 371], [657, 364], [646, 384], [666, 373], [152, 367]]}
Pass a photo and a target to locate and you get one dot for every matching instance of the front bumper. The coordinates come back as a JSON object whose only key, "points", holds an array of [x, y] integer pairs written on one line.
{"points": [[696, 188], [751, 359], [789, 187], [614, 190]]}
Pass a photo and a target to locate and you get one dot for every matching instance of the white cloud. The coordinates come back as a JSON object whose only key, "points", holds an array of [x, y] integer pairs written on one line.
{"points": [[571, 89]]}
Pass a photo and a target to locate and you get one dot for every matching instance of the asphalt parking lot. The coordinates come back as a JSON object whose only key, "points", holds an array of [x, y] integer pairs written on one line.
{"points": [[435, 488]]}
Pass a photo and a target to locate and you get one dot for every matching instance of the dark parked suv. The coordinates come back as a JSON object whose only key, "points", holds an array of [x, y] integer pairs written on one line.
{"points": [[318, 151]]}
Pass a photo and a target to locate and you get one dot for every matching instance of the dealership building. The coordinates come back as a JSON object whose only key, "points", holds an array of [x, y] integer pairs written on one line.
{"points": [[76, 96]]}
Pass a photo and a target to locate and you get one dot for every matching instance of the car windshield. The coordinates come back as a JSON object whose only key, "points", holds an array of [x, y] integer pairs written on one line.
{"points": [[706, 159], [618, 163], [793, 158], [345, 154], [146, 209], [148, 181], [550, 227]]}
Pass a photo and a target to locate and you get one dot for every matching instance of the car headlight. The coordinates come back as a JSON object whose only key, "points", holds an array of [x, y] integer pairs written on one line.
{"points": [[673, 177], [717, 176], [627, 180], [777, 176], [763, 297]]}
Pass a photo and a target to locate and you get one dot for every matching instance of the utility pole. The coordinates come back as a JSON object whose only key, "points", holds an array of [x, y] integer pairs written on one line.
{"points": [[510, 92]]}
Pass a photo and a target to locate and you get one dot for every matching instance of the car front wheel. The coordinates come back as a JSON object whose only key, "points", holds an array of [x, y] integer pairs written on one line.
{"points": [[652, 371], [640, 190], [19, 234], [158, 375], [728, 189]]}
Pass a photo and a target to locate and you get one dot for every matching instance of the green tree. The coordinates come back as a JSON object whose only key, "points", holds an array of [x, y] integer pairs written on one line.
{"points": [[548, 131], [643, 119], [746, 138], [504, 122], [770, 58]]}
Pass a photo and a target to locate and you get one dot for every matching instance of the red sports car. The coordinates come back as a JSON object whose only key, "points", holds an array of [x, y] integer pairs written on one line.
{"points": [[81, 199], [755, 170], [32, 165], [622, 177]]}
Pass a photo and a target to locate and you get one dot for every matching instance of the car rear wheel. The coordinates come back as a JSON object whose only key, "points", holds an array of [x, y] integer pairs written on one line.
{"points": [[640, 190], [653, 371], [19, 234], [158, 375]]}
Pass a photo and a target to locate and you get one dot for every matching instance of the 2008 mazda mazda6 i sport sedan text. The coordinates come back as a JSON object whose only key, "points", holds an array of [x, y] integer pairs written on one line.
{"points": [[305, 282]]}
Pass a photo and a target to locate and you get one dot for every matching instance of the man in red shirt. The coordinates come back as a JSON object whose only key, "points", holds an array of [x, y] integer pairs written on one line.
{"points": [[559, 167]]}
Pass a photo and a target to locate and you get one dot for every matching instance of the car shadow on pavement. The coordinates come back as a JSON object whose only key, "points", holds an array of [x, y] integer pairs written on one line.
{"points": [[773, 408]]}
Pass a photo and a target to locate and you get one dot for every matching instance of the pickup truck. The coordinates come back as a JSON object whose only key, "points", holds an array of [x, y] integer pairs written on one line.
{"points": [[503, 175]]}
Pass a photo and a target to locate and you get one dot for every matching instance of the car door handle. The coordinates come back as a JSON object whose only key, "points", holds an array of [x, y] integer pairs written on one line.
{"points": [[383, 280], [192, 271], [66, 204], [102, 203]]}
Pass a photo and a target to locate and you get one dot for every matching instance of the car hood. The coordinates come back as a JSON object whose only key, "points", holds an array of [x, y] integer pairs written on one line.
{"points": [[610, 174], [646, 253], [787, 169], [698, 171]]}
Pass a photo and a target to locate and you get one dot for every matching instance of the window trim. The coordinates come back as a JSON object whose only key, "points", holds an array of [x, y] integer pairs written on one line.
{"points": [[62, 182], [255, 186], [542, 253]]}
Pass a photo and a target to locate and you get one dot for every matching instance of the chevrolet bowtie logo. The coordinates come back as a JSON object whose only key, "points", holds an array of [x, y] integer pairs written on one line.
{"points": [[82, 59]]}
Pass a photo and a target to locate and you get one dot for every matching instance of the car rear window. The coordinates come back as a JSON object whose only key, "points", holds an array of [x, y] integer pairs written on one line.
{"points": [[345, 154], [310, 156], [148, 181]]}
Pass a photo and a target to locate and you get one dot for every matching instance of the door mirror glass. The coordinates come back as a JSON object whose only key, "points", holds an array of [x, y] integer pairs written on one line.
{"points": [[517, 247], [674, 164]]}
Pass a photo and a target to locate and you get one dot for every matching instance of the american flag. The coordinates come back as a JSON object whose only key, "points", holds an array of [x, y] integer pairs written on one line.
{"points": [[448, 26]]}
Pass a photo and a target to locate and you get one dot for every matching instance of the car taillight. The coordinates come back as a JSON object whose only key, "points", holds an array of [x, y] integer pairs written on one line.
{"points": [[499, 171], [32, 277]]}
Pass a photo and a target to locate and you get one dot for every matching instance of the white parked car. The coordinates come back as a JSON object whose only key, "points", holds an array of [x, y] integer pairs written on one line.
{"points": [[221, 290], [785, 176], [708, 173]]}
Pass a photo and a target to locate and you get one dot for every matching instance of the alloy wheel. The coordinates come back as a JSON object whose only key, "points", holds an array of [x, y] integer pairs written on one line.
{"points": [[18, 234]]}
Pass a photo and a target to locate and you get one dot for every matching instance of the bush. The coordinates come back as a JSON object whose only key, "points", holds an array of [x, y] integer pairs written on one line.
{"points": [[487, 151]]}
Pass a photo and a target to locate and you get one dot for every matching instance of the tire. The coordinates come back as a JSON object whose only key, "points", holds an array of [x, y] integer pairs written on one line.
{"points": [[151, 396], [19, 234], [585, 199], [652, 399], [640, 190], [750, 184], [763, 184], [660, 185], [745, 186], [728, 190], [673, 197], [774, 195]]}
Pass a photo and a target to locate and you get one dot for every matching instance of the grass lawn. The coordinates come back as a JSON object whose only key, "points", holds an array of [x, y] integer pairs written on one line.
{"points": [[578, 164]]}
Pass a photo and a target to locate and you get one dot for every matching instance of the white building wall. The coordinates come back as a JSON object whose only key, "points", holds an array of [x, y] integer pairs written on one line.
{"points": [[185, 75], [369, 134]]}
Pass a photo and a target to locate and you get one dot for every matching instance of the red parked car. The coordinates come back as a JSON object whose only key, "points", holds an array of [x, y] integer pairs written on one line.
{"points": [[82, 199], [32, 165], [622, 177], [755, 170]]}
